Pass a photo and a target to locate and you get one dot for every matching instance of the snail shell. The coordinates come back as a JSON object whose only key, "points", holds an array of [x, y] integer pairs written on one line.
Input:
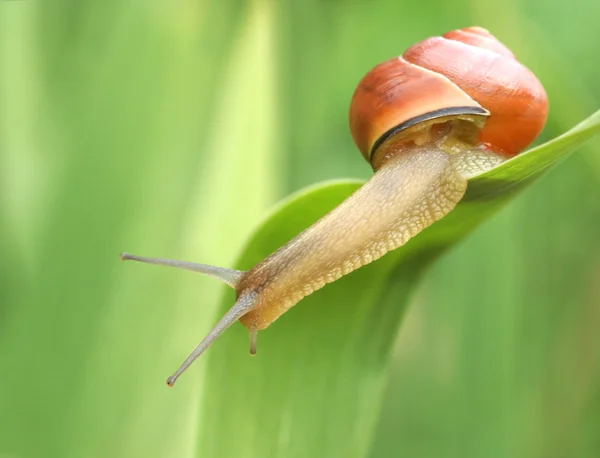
{"points": [[465, 71]]}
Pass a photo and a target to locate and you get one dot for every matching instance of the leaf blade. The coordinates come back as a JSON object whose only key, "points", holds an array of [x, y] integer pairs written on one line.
{"points": [[329, 356]]}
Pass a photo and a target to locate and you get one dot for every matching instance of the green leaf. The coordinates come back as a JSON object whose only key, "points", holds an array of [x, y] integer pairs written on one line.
{"points": [[315, 388]]}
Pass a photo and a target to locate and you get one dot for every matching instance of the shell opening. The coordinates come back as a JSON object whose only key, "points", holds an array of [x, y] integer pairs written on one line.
{"points": [[462, 123]]}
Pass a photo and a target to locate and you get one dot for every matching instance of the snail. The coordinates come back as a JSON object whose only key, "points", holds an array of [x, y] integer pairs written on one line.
{"points": [[449, 108]]}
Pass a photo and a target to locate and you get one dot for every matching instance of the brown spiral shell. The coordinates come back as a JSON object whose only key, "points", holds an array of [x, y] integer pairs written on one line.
{"points": [[466, 71]]}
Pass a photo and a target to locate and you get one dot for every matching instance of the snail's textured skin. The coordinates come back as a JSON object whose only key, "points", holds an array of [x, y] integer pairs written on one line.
{"points": [[473, 69], [410, 192]]}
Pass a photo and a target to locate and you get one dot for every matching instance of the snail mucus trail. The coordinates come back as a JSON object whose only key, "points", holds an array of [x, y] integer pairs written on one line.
{"points": [[423, 141]]}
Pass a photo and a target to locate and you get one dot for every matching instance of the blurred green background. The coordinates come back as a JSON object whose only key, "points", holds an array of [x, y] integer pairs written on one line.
{"points": [[170, 128]]}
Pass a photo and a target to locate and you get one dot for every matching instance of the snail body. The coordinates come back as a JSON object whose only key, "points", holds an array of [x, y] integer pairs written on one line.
{"points": [[451, 107]]}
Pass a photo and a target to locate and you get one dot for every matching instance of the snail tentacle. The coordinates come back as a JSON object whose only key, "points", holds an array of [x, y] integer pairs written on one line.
{"points": [[230, 277]]}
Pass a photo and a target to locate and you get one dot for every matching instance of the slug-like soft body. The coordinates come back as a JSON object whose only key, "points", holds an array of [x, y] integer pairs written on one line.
{"points": [[451, 107]]}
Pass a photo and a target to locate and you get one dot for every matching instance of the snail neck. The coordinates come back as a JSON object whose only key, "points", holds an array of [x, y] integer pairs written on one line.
{"points": [[469, 162]]}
